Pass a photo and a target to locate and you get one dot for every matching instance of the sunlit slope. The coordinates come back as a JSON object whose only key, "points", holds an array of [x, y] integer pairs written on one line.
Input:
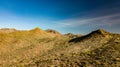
{"points": [[97, 49], [21, 46], [45, 48]]}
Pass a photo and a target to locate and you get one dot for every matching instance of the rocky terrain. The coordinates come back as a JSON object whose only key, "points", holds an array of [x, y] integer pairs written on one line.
{"points": [[49, 48]]}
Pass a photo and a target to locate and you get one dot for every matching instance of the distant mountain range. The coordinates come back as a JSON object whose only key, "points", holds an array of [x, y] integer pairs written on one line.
{"points": [[49, 48]]}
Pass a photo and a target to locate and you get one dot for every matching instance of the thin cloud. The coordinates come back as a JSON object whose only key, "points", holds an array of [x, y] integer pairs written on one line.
{"points": [[101, 20]]}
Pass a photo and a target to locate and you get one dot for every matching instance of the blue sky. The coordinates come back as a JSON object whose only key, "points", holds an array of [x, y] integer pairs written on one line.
{"points": [[75, 16]]}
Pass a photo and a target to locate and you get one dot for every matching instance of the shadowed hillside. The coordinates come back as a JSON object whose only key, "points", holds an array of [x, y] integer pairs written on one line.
{"points": [[94, 34], [49, 48]]}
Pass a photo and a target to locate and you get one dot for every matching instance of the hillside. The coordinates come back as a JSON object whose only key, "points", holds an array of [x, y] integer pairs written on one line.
{"points": [[70, 35], [7, 30], [53, 32], [49, 48]]}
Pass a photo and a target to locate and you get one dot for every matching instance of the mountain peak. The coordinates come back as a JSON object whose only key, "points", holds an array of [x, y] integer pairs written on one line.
{"points": [[52, 31], [36, 29], [100, 31], [71, 35]]}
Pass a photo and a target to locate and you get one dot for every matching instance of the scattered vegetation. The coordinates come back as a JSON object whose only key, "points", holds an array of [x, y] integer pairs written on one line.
{"points": [[49, 48]]}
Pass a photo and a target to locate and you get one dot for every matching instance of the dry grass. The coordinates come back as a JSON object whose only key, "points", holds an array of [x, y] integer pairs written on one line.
{"points": [[42, 49]]}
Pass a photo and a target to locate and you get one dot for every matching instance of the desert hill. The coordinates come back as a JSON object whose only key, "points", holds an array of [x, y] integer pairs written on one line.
{"points": [[53, 32], [93, 35], [70, 35], [7, 30], [49, 48]]}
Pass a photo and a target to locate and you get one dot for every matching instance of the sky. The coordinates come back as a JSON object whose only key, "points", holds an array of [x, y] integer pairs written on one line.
{"points": [[75, 16]]}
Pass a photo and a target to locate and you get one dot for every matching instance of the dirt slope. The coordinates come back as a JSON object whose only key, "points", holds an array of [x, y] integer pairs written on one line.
{"points": [[39, 48]]}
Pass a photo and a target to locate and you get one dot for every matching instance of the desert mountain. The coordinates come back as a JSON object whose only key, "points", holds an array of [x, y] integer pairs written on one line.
{"points": [[90, 41], [70, 35], [53, 32], [49, 48], [93, 35], [7, 30]]}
